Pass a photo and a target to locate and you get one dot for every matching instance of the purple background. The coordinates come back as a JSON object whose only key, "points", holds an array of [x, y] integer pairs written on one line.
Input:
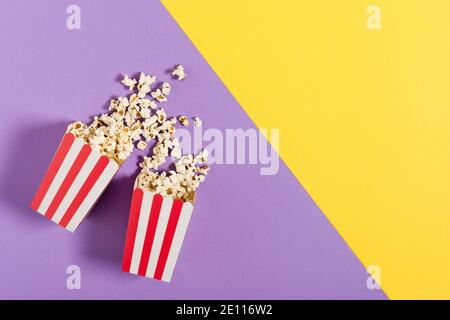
{"points": [[251, 236]]}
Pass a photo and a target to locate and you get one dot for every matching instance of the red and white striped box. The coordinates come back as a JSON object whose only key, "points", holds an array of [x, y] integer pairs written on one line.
{"points": [[156, 229], [74, 181]]}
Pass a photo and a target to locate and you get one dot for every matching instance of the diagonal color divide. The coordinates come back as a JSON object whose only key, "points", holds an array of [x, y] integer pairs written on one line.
{"points": [[295, 201], [364, 116]]}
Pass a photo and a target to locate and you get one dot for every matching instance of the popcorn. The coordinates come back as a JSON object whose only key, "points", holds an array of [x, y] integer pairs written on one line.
{"points": [[135, 120], [131, 120], [159, 95], [197, 122], [166, 88], [145, 112], [173, 120], [180, 183], [141, 145], [176, 153], [145, 81], [203, 170], [130, 83], [183, 120], [162, 116], [202, 157], [123, 102], [179, 72], [147, 103]]}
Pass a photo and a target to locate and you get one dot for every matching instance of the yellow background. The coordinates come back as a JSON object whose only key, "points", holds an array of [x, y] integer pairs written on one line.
{"points": [[364, 116]]}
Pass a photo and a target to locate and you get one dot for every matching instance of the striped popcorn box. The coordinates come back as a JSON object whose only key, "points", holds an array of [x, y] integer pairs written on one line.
{"points": [[155, 233], [74, 181]]}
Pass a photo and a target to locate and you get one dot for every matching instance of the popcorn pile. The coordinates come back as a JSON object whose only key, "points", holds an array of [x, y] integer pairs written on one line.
{"points": [[180, 183], [133, 122]]}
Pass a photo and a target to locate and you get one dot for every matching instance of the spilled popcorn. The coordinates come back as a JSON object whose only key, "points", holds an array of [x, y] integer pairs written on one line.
{"points": [[133, 122], [180, 183], [179, 72], [184, 120]]}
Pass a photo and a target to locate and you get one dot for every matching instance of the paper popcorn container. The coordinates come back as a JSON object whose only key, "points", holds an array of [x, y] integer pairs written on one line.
{"points": [[74, 181], [155, 233]]}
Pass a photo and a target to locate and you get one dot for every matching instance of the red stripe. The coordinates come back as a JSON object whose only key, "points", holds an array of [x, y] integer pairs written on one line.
{"points": [[133, 220], [168, 237], [68, 180], [150, 234], [57, 160], [84, 190]]}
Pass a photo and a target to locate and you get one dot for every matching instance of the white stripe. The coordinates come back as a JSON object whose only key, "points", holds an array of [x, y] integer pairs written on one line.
{"points": [[60, 175], [177, 241], [76, 185], [144, 215], [159, 235], [93, 195]]}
